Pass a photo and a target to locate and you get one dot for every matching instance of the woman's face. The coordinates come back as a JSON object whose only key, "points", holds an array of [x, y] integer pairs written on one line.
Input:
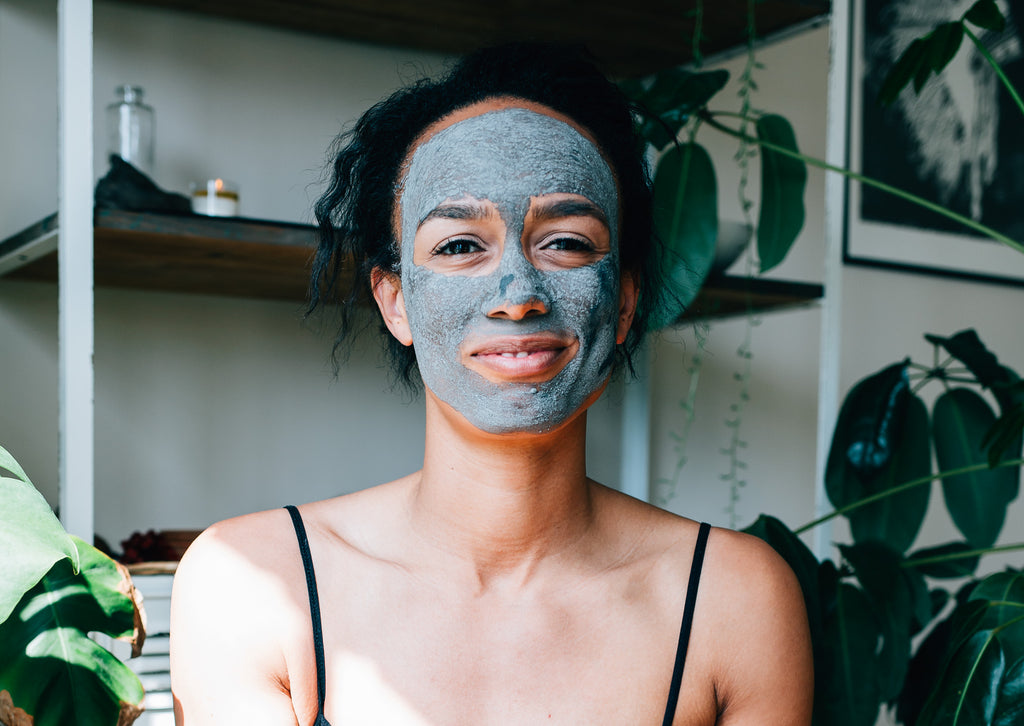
{"points": [[508, 218]]}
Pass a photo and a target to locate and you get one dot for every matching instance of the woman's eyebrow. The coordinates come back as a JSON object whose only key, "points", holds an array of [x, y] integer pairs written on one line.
{"points": [[471, 210], [555, 209]]}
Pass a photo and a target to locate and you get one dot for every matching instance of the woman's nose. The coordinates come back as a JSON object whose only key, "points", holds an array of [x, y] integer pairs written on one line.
{"points": [[520, 293]]}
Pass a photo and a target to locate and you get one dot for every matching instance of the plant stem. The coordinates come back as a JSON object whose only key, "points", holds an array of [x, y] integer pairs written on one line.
{"points": [[921, 384], [995, 66], [899, 488], [914, 562], [912, 198]]}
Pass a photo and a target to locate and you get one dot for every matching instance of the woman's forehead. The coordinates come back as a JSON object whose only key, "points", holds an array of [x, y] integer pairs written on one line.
{"points": [[496, 103], [506, 155]]}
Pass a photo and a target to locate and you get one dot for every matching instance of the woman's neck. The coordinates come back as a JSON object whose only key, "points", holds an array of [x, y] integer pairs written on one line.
{"points": [[497, 507]]}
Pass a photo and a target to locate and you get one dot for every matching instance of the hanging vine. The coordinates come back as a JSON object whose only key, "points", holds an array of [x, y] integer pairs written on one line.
{"points": [[736, 465], [665, 487]]}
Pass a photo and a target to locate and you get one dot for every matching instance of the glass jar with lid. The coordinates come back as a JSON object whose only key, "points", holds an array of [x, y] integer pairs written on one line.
{"points": [[130, 127]]}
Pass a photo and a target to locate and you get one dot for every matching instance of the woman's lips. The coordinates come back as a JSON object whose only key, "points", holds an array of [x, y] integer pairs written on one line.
{"points": [[528, 359]]}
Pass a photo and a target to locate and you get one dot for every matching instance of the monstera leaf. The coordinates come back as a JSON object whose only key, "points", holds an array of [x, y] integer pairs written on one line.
{"points": [[50, 668], [31, 538], [55, 591]]}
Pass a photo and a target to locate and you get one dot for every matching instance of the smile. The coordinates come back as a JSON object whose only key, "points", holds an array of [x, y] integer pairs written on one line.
{"points": [[525, 359]]}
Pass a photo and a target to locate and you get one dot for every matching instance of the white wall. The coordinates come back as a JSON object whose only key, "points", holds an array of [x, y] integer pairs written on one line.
{"points": [[208, 407]]}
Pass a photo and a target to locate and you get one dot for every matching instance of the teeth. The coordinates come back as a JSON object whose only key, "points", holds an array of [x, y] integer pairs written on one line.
{"points": [[506, 355], [522, 354]]}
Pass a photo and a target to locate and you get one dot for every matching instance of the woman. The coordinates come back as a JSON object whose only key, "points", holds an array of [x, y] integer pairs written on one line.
{"points": [[500, 218]]}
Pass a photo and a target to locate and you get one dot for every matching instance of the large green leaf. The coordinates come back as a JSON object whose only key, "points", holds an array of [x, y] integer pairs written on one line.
{"points": [[967, 348], [1003, 593], [846, 685], [983, 682], [924, 56], [783, 180], [986, 14], [943, 44], [31, 537], [923, 672], [897, 519], [932, 656], [969, 691], [976, 501], [669, 101], [50, 666], [900, 601], [676, 89], [880, 441], [1006, 436], [871, 420], [1010, 706], [686, 221], [904, 70]]}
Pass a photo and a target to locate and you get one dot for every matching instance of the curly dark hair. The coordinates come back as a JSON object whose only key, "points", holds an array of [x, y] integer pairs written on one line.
{"points": [[355, 214]]}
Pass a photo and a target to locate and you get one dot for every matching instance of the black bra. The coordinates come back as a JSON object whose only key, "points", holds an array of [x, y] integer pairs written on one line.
{"points": [[318, 637]]}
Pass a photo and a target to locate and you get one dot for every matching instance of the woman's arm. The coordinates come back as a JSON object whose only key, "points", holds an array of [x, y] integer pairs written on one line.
{"points": [[227, 664], [767, 670]]}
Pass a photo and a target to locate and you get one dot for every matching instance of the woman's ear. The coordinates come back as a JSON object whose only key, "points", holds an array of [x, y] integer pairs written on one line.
{"points": [[387, 291], [628, 294]]}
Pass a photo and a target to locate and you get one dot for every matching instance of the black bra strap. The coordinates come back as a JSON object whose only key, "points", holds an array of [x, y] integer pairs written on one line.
{"points": [[684, 630], [314, 606]]}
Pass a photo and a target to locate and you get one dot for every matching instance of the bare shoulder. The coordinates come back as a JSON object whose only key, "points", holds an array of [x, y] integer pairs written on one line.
{"points": [[237, 608], [746, 568], [749, 645], [240, 557], [753, 605]]}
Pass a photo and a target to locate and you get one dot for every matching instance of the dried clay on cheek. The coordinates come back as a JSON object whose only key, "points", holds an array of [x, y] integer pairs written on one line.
{"points": [[507, 157]]}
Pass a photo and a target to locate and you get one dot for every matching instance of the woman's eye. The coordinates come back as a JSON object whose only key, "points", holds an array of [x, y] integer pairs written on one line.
{"points": [[456, 247], [570, 244]]}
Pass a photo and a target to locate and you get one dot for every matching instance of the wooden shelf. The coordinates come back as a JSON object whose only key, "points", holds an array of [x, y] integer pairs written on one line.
{"points": [[271, 260], [727, 296], [213, 255], [628, 38]]}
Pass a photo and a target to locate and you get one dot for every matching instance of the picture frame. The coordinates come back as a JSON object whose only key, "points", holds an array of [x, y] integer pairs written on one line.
{"points": [[959, 144]]}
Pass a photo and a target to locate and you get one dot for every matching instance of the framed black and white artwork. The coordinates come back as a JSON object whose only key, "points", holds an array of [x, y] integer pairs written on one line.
{"points": [[959, 144]]}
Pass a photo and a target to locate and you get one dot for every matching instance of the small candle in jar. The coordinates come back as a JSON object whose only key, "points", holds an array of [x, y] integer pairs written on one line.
{"points": [[216, 198]]}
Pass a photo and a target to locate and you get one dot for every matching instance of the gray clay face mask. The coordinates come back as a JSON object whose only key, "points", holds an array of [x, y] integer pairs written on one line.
{"points": [[507, 157]]}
